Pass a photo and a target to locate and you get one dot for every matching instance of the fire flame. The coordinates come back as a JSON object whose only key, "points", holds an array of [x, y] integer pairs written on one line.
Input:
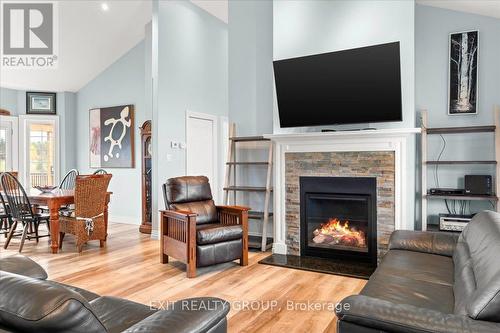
{"points": [[336, 232]]}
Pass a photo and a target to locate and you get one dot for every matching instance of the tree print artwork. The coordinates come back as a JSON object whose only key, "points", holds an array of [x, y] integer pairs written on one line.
{"points": [[463, 73]]}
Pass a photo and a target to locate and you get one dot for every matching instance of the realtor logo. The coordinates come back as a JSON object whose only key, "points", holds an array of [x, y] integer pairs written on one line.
{"points": [[29, 31]]}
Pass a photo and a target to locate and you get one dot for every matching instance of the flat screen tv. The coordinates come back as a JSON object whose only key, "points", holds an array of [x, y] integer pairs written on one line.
{"points": [[361, 85]]}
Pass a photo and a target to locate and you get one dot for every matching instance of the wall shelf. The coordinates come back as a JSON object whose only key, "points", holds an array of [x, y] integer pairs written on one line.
{"points": [[459, 162], [495, 129], [459, 130], [462, 197], [262, 242]]}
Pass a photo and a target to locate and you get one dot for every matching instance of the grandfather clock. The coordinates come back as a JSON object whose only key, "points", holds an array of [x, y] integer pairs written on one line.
{"points": [[146, 148]]}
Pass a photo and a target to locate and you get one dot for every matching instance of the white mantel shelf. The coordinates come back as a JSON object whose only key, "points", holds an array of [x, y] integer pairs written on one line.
{"points": [[393, 139], [357, 133]]}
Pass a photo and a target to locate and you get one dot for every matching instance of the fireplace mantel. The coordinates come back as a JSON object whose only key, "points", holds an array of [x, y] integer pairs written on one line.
{"points": [[394, 140]]}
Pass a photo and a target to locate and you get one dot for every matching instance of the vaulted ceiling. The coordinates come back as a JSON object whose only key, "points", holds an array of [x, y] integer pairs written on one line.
{"points": [[480, 7], [90, 39]]}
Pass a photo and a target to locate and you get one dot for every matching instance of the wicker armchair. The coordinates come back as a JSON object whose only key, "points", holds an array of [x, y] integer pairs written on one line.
{"points": [[86, 222]]}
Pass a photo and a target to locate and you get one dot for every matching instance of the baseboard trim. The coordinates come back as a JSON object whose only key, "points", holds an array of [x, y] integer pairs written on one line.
{"points": [[124, 219], [155, 234]]}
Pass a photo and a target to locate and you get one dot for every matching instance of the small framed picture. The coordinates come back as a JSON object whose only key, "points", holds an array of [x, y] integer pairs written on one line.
{"points": [[40, 103], [462, 74]]}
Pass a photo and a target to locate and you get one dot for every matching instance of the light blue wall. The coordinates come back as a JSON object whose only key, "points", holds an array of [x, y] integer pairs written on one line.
{"points": [[8, 100], [433, 26], [310, 27], [15, 101], [251, 66], [121, 83], [192, 75]]}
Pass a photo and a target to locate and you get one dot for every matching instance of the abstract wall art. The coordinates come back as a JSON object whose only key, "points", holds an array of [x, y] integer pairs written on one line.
{"points": [[112, 137]]}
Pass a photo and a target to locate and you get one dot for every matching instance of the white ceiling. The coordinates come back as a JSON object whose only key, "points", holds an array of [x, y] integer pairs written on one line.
{"points": [[480, 7], [90, 40], [218, 8]]}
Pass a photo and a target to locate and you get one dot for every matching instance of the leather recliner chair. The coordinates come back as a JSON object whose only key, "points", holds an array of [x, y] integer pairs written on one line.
{"points": [[196, 231]]}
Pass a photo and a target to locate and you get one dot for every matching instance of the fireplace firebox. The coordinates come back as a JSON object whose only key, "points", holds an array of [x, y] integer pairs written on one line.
{"points": [[338, 218]]}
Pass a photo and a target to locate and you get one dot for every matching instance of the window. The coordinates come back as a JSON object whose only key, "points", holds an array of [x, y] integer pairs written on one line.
{"points": [[40, 150], [41, 154]]}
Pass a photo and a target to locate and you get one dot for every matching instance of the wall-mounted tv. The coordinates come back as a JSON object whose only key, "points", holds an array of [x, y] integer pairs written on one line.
{"points": [[361, 85]]}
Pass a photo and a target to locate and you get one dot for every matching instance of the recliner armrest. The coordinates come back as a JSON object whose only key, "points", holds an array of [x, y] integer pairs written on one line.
{"points": [[192, 315], [384, 315], [441, 243]]}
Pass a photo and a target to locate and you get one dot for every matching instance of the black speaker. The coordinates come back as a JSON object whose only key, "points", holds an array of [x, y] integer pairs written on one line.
{"points": [[478, 185]]}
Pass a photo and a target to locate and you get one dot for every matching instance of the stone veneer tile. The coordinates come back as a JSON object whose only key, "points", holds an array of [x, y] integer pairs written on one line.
{"points": [[379, 164]]}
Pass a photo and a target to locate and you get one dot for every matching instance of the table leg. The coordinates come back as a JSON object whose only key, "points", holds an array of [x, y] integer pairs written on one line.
{"points": [[54, 227]]}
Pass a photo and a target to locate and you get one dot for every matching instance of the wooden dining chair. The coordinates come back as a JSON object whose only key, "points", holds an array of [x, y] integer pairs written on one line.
{"points": [[86, 221], [68, 182], [5, 217], [100, 172], [21, 212]]}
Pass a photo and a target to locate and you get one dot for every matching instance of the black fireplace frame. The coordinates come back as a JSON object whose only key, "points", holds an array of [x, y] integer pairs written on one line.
{"points": [[362, 186]]}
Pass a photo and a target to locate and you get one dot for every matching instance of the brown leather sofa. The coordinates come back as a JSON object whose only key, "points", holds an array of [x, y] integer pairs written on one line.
{"points": [[196, 231], [30, 303], [432, 282]]}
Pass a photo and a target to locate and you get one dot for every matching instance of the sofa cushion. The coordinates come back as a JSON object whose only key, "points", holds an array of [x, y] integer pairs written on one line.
{"points": [[88, 295], [482, 236], [414, 278], [216, 233], [118, 314], [32, 305], [418, 266], [203, 314], [205, 210], [22, 265]]}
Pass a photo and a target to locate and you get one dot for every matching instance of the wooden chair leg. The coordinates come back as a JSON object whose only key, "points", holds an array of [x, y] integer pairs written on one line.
{"points": [[79, 247], [11, 233], [36, 231], [23, 237], [191, 269], [164, 259], [102, 243], [61, 237]]}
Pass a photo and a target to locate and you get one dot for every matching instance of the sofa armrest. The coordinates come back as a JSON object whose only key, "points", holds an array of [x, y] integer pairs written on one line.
{"points": [[441, 243], [22, 265], [204, 314], [386, 316]]}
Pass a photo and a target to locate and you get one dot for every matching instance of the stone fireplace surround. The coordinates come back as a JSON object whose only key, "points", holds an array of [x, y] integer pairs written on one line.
{"points": [[376, 153]]}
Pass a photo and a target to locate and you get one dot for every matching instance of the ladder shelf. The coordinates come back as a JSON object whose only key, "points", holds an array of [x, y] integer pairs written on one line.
{"points": [[261, 242]]}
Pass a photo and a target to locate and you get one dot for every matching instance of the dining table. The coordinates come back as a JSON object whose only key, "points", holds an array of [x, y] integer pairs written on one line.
{"points": [[54, 200]]}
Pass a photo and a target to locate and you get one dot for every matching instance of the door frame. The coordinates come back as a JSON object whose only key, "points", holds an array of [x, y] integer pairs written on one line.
{"points": [[215, 135], [24, 121], [14, 138]]}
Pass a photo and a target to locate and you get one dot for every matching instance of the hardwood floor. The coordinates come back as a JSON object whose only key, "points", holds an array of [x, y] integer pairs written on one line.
{"points": [[263, 298]]}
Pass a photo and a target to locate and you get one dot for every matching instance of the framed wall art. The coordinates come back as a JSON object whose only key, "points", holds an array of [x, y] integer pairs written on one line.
{"points": [[112, 137], [40, 102], [462, 80]]}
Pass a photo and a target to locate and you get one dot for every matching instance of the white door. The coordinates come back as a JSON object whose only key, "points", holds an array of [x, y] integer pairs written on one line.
{"points": [[201, 148]]}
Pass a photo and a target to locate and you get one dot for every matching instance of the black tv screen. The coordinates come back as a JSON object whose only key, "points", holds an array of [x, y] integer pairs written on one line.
{"points": [[360, 85]]}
